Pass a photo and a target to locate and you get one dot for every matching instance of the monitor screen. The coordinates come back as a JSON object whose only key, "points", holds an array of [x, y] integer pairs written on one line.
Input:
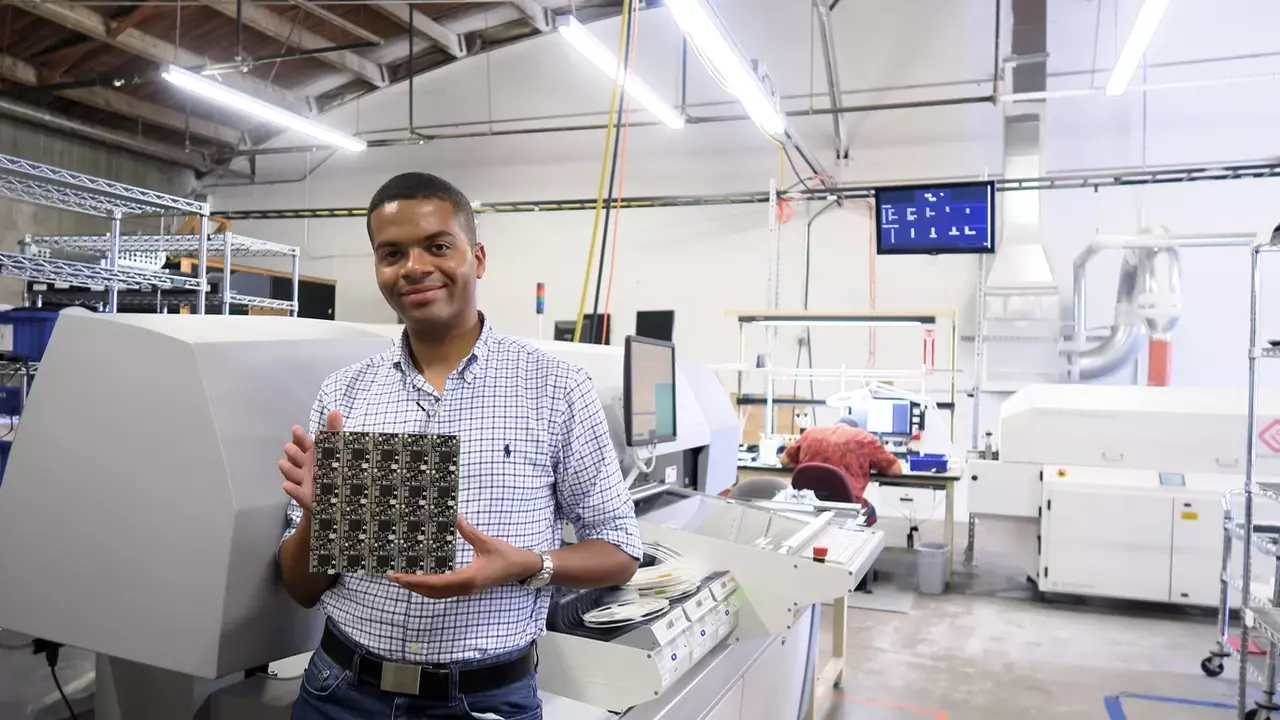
{"points": [[591, 327], [656, 324], [648, 391], [889, 417], [928, 220]]}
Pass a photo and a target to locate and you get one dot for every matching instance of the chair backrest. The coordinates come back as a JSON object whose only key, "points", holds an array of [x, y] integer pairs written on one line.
{"points": [[828, 482], [764, 487]]}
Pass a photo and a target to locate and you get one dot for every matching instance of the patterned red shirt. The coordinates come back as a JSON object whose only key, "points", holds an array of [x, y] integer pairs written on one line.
{"points": [[851, 449]]}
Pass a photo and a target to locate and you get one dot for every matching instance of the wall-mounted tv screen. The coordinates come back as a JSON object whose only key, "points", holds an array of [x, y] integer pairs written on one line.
{"points": [[936, 219]]}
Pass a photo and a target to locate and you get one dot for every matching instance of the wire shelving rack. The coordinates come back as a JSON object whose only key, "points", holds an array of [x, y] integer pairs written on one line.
{"points": [[228, 245], [1257, 609], [76, 192]]}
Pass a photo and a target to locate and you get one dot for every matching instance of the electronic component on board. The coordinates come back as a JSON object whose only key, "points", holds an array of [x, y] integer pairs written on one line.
{"points": [[384, 502]]}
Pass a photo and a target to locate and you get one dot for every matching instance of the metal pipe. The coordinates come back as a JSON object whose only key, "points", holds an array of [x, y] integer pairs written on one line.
{"points": [[113, 262], [1269, 675], [1224, 593], [294, 282], [995, 64], [1250, 459], [202, 257], [287, 181], [705, 120], [226, 272], [827, 34], [158, 151], [808, 237]]}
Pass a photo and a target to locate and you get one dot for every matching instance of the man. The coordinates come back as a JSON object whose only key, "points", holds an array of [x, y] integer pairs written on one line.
{"points": [[846, 446], [535, 451]]}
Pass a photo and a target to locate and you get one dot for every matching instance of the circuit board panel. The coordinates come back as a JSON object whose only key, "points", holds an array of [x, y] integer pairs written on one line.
{"points": [[384, 502]]}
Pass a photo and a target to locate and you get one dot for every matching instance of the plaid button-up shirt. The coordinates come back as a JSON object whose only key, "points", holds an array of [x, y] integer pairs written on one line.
{"points": [[535, 452]]}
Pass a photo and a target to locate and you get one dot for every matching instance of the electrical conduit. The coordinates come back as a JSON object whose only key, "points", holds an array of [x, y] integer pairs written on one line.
{"points": [[604, 173]]}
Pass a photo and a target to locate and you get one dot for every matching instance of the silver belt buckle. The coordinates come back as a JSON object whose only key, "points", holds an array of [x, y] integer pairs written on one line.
{"points": [[401, 678]]}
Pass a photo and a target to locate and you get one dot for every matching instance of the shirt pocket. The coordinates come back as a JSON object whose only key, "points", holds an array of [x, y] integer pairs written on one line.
{"points": [[506, 479]]}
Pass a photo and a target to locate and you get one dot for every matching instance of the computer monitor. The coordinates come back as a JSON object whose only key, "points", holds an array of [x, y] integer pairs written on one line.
{"points": [[888, 417], [648, 391], [656, 324], [591, 327], [934, 219]]}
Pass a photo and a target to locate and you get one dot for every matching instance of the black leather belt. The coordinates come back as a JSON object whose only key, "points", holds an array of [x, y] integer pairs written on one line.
{"points": [[426, 681]]}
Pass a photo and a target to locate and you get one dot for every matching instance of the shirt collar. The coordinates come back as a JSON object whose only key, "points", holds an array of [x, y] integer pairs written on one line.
{"points": [[468, 369]]}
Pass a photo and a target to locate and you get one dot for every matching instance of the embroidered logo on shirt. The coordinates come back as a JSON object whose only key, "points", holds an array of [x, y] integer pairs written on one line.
{"points": [[506, 450]]}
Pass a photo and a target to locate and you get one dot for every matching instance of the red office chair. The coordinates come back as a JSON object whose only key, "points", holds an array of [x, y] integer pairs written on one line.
{"points": [[830, 483]]}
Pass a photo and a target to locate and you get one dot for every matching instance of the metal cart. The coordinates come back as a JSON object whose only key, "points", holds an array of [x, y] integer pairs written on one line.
{"points": [[1258, 612]]}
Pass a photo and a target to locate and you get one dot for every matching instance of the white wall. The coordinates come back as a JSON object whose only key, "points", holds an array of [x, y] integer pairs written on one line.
{"points": [[704, 262]]}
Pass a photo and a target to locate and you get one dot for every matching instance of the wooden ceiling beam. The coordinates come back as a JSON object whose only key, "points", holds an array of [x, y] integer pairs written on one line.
{"points": [[114, 101], [135, 16], [439, 34], [56, 63], [91, 24], [338, 21], [282, 28]]}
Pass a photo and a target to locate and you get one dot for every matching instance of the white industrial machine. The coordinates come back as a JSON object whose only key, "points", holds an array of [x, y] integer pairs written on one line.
{"points": [[141, 510], [1117, 491]]}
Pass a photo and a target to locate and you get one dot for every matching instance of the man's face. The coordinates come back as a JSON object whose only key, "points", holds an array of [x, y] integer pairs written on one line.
{"points": [[424, 262]]}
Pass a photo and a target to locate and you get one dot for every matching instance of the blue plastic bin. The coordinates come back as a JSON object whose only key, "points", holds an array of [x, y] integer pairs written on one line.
{"points": [[4, 456], [10, 400], [31, 331], [928, 462]]}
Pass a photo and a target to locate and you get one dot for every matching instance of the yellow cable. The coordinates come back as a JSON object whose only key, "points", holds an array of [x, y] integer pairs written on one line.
{"points": [[604, 172]]}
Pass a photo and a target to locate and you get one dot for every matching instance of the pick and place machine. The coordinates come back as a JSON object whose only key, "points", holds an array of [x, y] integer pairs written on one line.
{"points": [[142, 490], [1118, 491]]}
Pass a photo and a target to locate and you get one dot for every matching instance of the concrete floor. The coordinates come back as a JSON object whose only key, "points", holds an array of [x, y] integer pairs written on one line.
{"points": [[989, 650]]}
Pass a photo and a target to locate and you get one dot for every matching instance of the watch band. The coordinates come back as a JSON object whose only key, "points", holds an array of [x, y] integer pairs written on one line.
{"points": [[543, 577]]}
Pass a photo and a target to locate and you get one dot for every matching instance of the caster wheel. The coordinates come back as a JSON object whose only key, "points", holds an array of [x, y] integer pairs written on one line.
{"points": [[1255, 714], [1212, 666]]}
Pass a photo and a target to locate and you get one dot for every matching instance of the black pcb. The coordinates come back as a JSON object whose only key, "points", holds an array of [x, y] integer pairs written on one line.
{"points": [[384, 502]]}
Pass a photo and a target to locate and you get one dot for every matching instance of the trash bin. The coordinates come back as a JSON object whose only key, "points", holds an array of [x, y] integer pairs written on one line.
{"points": [[931, 568]]}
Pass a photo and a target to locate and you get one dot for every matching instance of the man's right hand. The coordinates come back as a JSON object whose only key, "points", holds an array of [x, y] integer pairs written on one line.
{"points": [[299, 464]]}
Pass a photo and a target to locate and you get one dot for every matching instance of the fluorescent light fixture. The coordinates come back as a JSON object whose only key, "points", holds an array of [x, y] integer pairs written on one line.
{"points": [[1139, 37], [577, 35], [237, 100], [779, 319], [703, 29], [827, 323]]}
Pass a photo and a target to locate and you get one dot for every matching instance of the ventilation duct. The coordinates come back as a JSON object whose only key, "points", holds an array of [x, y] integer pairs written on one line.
{"points": [[1020, 283], [1120, 347]]}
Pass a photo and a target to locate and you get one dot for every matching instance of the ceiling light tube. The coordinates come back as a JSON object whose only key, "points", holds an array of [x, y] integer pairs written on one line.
{"points": [[701, 27], [577, 35], [1139, 37], [824, 323], [213, 90]]}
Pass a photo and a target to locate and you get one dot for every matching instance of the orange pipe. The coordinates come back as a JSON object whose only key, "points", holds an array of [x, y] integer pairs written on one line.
{"points": [[1159, 362]]}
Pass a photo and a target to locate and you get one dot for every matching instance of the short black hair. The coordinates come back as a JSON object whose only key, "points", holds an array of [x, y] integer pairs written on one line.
{"points": [[423, 186]]}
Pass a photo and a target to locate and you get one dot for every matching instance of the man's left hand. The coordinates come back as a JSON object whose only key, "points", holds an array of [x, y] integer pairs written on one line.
{"points": [[497, 562]]}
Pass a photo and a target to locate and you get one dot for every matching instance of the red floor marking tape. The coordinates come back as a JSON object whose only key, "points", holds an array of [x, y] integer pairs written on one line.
{"points": [[927, 712]]}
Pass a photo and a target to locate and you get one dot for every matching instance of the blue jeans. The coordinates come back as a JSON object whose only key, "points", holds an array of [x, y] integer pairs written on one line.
{"points": [[331, 692]]}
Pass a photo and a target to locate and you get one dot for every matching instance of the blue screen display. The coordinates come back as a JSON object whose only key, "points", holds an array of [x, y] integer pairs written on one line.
{"points": [[943, 219]]}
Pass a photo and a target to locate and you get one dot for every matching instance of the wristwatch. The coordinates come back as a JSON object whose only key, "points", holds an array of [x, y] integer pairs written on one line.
{"points": [[543, 576]]}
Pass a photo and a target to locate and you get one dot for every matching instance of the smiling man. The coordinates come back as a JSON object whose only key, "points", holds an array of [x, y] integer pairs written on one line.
{"points": [[535, 452]]}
